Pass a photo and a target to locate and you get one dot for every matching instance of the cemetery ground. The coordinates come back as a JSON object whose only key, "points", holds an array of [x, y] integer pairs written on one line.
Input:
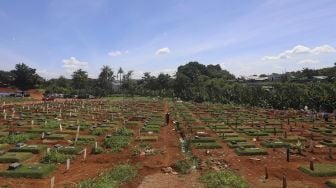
{"points": [[125, 142]]}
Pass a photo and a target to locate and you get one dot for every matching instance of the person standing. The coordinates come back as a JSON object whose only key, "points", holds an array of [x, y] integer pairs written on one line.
{"points": [[167, 118]]}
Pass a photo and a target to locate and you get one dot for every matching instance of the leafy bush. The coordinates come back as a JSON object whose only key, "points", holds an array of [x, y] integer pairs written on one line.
{"points": [[12, 139], [183, 166], [223, 179], [55, 157], [123, 132], [117, 143]]}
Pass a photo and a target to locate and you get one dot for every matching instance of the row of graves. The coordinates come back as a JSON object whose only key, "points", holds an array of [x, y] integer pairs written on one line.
{"points": [[35, 139], [256, 133]]}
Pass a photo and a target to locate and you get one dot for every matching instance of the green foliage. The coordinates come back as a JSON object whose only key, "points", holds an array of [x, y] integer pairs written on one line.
{"points": [[320, 170], [250, 151], [25, 77], [12, 157], [112, 178], [223, 179], [16, 138], [30, 171], [30, 148], [55, 157], [117, 143], [123, 132], [183, 166]]}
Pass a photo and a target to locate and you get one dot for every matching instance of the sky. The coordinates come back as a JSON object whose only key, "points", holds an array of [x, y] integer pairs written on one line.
{"points": [[245, 37]]}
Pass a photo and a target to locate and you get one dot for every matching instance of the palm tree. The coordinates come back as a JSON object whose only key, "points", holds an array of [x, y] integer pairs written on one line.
{"points": [[105, 78], [120, 72]]}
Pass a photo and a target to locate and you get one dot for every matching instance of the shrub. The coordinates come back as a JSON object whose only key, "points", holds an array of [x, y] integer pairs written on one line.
{"points": [[117, 143], [183, 166], [55, 157], [223, 179], [123, 132]]}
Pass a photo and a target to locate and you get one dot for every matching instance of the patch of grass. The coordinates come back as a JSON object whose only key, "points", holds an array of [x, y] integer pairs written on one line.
{"points": [[12, 139], [12, 157], [233, 144], [72, 150], [57, 137], [30, 148], [183, 166], [30, 171], [112, 178], [320, 170], [55, 157], [207, 145], [117, 143], [203, 139], [250, 151], [274, 144], [98, 131], [149, 138], [123, 132], [223, 179]]}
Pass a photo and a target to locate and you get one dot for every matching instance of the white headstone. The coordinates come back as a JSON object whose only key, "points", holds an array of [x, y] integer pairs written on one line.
{"points": [[67, 164]]}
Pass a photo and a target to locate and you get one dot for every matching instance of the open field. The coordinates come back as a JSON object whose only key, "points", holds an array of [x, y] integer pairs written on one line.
{"points": [[199, 141]]}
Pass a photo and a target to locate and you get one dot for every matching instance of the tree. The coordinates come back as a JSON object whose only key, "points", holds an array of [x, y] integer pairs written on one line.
{"points": [[120, 72], [79, 79], [105, 79], [25, 77]]}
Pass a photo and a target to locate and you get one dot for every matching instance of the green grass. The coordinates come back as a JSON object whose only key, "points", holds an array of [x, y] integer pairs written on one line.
{"points": [[55, 157], [11, 157], [207, 145], [320, 170], [112, 178], [72, 150], [274, 144], [57, 136], [30, 171], [149, 138], [203, 139], [240, 144], [223, 179], [236, 139], [30, 148], [117, 143], [12, 139], [250, 151]]}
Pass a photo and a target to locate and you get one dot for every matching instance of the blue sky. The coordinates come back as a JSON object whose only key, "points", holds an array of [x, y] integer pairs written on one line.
{"points": [[244, 36]]}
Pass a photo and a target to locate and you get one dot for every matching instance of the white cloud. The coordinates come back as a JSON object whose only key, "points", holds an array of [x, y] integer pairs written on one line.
{"points": [[73, 64], [307, 62], [163, 51], [300, 50], [117, 53]]}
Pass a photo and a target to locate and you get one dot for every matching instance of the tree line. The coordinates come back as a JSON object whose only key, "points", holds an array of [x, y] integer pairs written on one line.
{"points": [[194, 82]]}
